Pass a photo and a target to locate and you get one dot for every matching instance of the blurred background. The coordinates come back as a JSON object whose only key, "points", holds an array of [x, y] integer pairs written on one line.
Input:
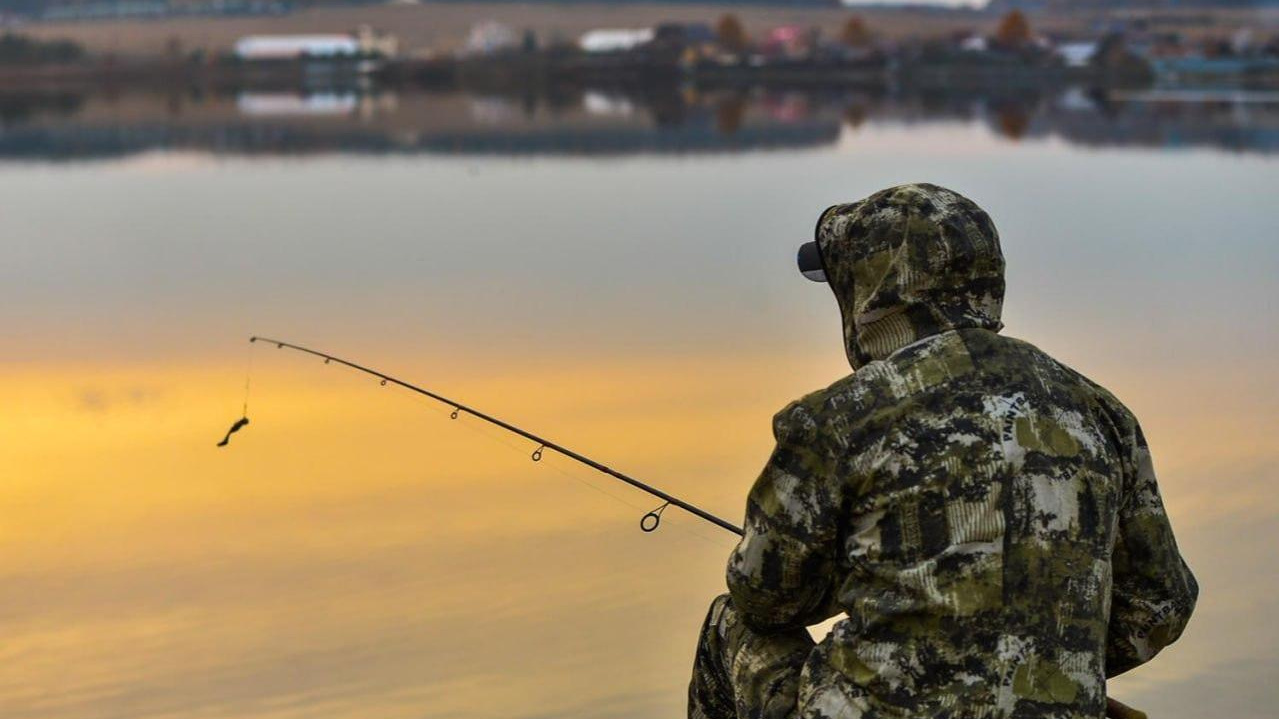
{"points": [[581, 217]]}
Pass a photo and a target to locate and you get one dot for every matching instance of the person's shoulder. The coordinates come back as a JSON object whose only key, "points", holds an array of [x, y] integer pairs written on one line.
{"points": [[799, 422], [1067, 376], [930, 359], [834, 406]]}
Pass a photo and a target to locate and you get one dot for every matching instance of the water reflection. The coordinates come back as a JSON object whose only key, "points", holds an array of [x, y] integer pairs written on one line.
{"points": [[355, 553], [603, 121]]}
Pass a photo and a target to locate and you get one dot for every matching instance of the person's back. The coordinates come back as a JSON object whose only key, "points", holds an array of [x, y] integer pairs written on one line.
{"points": [[986, 517]]}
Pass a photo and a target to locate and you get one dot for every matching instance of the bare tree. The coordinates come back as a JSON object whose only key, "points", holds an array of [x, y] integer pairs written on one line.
{"points": [[855, 33], [1013, 30], [731, 34]]}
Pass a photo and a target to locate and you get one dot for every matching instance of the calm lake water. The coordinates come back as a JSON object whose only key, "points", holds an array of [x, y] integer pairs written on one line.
{"points": [[615, 273]]}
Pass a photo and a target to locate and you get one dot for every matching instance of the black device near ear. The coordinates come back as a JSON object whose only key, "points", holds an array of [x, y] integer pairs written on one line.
{"points": [[810, 262], [810, 255]]}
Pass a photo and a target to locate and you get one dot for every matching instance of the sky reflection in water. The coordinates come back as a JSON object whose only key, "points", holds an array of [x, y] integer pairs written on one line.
{"points": [[354, 553]]}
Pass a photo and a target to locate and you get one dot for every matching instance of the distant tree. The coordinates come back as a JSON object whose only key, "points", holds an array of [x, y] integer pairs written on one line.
{"points": [[1013, 30], [731, 34], [1271, 47], [18, 49], [855, 33], [1119, 64]]}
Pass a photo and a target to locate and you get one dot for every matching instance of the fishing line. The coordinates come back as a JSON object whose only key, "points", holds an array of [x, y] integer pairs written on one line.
{"points": [[248, 375], [648, 523], [244, 411]]}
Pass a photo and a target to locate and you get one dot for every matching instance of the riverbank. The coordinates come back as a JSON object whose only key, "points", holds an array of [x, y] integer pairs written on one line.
{"points": [[442, 27]]}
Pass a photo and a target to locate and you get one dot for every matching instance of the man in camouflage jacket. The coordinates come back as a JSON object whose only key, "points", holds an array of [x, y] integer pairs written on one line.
{"points": [[985, 518]]}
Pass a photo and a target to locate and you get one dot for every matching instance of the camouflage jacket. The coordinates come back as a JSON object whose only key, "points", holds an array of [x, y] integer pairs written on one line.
{"points": [[986, 518]]}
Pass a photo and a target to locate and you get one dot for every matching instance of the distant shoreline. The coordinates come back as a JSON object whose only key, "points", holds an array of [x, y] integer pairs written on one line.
{"points": [[441, 27]]}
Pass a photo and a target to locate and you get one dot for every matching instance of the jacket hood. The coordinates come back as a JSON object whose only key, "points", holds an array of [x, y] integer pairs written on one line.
{"points": [[909, 262]]}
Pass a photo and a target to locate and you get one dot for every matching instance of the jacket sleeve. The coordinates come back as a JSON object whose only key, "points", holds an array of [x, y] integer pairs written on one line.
{"points": [[1153, 592], [782, 573]]}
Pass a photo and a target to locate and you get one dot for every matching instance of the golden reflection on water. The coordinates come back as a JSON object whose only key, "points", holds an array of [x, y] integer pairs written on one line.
{"points": [[356, 553], [354, 545]]}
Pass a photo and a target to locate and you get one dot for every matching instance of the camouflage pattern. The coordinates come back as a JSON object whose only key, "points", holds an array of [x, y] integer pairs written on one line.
{"points": [[985, 518], [742, 672]]}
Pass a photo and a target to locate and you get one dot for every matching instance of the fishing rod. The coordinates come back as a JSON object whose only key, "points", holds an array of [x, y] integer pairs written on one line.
{"points": [[649, 522]]}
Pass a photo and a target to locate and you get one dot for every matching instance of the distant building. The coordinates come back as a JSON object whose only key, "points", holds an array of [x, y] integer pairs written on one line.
{"points": [[364, 42], [690, 33], [1077, 54], [376, 44], [488, 37], [690, 41], [294, 47], [615, 40], [789, 41]]}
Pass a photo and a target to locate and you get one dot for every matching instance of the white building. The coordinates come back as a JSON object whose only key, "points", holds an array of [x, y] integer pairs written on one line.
{"points": [[293, 47], [488, 37], [614, 40], [365, 41], [1077, 54]]}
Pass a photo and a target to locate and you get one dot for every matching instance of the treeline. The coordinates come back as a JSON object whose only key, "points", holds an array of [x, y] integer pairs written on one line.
{"points": [[18, 49], [58, 8]]}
